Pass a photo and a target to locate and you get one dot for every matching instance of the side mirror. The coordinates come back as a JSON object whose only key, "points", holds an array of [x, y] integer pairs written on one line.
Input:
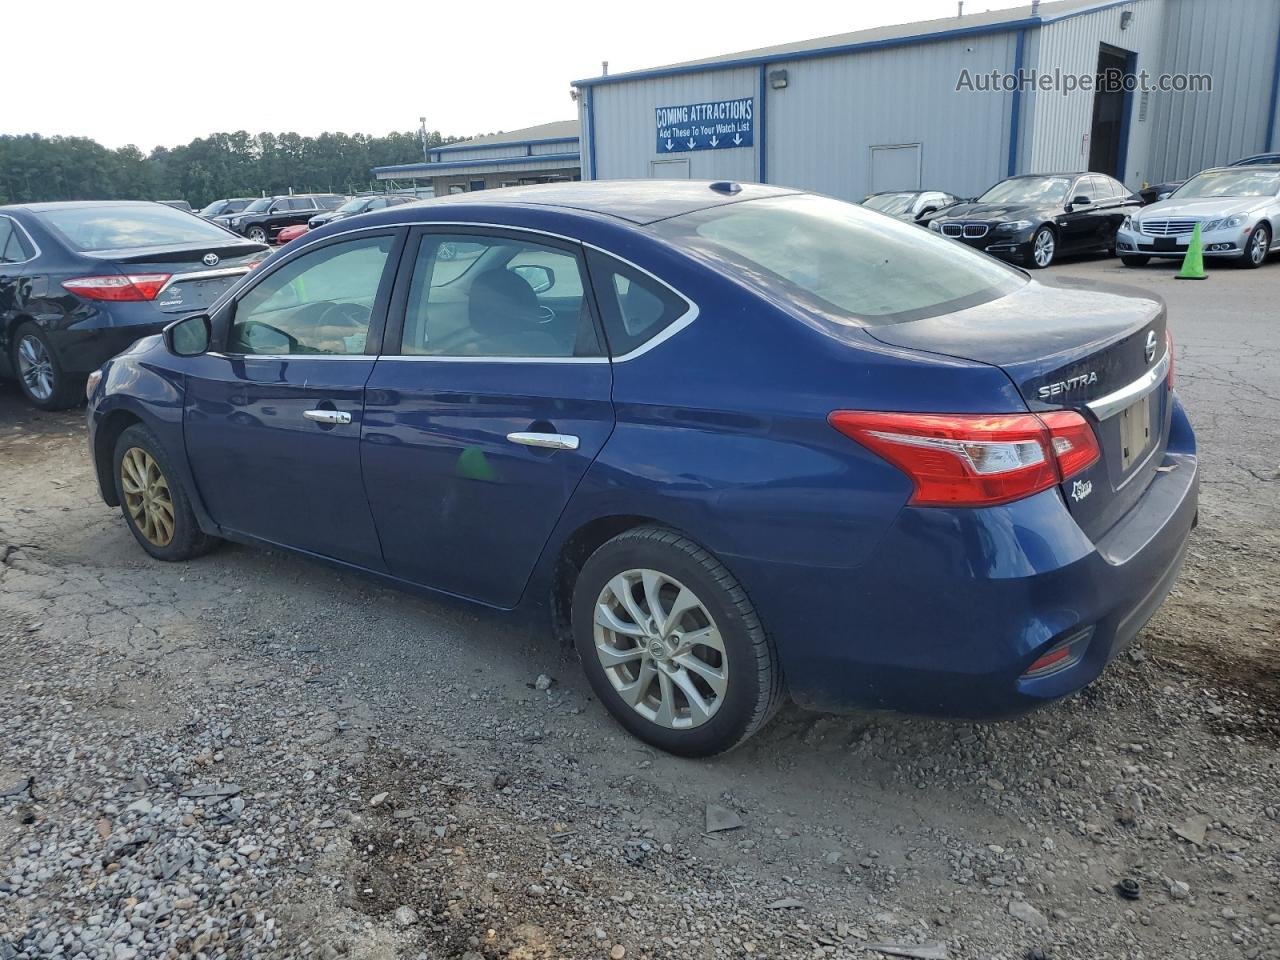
{"points": [[190, 336], [1081, 201], [537, 276], [1165, 196]]}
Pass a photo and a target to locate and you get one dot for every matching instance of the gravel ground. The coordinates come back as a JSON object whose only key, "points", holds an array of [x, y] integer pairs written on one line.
{"points": [[252, 756]]}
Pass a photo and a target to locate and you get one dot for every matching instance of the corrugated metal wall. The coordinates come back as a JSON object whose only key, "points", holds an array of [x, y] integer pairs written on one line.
{"points": [[818, 132], [822, 127], [1235, 42], [1057, 126], [626, 129]]}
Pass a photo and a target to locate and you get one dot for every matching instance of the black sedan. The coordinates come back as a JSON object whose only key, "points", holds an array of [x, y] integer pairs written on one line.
{"points": [[81, 281], [358, 205], [1031, 219]]}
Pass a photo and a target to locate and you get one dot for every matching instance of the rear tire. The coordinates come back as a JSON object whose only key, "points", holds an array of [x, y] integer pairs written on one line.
{"points": [[44, 382], [1256, 248], [700, 683], [152, 499], [1135, 261]]}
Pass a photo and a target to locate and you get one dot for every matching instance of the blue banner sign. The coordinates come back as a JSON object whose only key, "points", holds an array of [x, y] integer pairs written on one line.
{"points": [[716, 125]]}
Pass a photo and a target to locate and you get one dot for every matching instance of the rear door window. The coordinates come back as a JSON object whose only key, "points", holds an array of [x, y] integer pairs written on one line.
{"points": [[497, 297]]}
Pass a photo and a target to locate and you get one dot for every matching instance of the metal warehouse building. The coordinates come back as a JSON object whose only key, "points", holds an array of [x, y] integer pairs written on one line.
{"points": [[880, 109], [542, 154]]}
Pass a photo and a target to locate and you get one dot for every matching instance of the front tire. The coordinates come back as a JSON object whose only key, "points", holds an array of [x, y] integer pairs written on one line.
{"points": [[1257, 248], [258, 234], [152, 500], [1135, 261], [1044, 245], [672, 645], [44, 382]]}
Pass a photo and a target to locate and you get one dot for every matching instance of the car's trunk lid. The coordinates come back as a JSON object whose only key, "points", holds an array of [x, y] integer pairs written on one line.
{"points": [[199, 273], [1077, 346]]}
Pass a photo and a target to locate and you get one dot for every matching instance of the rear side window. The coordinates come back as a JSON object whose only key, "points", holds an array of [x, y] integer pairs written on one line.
{"points": [[125, 226], [635, 307], [841, 261]]}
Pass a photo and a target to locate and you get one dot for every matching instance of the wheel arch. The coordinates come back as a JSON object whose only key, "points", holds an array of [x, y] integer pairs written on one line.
{"points": [[104, 444], [573, 552]]}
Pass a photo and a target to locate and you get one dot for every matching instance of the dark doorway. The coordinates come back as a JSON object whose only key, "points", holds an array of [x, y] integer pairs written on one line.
{"points": [[1110, 111]]}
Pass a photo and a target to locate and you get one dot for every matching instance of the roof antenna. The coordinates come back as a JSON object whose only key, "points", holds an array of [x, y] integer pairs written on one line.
{"points": [[604, 68]]}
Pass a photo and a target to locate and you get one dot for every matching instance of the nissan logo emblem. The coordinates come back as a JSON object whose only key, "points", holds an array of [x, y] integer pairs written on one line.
{"points": [[1150, 350], [211, 259]]}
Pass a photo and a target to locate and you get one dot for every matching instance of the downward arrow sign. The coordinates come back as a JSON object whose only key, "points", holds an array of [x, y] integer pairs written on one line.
{"points": [[715, 141], [692, 143], [669, 143], [737, 139]]}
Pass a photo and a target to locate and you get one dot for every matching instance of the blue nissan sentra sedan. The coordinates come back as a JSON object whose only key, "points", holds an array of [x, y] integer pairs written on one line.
{"points": [[740, 441]]}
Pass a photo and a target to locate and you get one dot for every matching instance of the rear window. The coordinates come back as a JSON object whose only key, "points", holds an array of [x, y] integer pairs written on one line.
{"points": [[122, 227], [837, 259]]}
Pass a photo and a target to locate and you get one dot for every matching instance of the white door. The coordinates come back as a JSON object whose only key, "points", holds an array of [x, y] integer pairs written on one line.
{"points": [[895, 167]]}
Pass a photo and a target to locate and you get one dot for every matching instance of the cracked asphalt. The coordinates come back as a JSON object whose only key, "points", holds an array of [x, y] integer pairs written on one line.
{"points": [[252, 756]]}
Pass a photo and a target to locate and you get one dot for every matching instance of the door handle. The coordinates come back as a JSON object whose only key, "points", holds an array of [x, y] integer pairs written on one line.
{"points": [[551, 441], [327, 416]]}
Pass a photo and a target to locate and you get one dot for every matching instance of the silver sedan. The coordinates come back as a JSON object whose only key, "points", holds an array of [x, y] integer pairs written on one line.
{"points": [[1237, 208]]}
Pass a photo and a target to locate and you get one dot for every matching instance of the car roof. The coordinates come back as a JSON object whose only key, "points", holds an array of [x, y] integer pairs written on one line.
{"points": [[42, 205], [636, 201], [1253, 167]]}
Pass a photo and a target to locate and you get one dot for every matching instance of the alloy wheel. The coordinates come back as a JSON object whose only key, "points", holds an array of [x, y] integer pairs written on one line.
{"points": [[35, 366], [660, 649], [257, 235], [1258, 245], [147, 496], [1044, 247]]}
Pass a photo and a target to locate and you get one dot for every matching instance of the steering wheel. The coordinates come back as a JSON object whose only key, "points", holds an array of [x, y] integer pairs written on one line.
{"points": [[340, 312]]}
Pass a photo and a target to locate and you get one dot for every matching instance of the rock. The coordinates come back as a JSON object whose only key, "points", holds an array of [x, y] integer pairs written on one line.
{"points": [[720, 818], [1179, 890], [618, 952], [543, 682], [913, 951], [786, 903], [1193, 829], [1273, 919], [406, 916], [378, 799], [536, 890], [1025, 912]]}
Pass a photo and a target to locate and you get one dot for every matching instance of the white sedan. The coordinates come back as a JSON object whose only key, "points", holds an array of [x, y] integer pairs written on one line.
{"points": [[1237, 208]]}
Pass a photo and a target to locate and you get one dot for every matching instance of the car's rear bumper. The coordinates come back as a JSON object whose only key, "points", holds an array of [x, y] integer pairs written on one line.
{"points": [[955, 605]]}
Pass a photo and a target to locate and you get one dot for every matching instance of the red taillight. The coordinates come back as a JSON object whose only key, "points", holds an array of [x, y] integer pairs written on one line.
{"points": [[1049, 660], [137, 286], [975, 460], [1168, 340]]}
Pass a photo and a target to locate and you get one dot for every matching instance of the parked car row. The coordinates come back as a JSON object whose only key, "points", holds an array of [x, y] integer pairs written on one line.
{"points": [[1033, 218]]}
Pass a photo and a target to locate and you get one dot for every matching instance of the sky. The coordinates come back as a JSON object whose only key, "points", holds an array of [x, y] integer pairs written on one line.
{"points": [[150, 73]]}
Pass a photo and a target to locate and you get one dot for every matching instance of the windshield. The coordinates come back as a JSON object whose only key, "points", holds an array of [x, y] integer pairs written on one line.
{"points": [[1028, 190], [1230, 183], [839, 260], [215, 208], [261, 205], [123, 226], [890, 203], [354, 205]]}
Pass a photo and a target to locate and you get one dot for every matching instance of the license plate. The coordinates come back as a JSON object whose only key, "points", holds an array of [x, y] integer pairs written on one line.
{"points": [[193, 294], [1135, 432], [1166, 243]]}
